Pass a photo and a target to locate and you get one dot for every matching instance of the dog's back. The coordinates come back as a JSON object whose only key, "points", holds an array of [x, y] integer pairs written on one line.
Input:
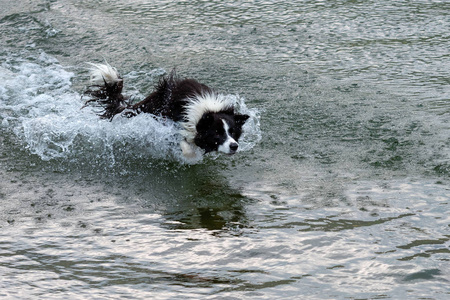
{"points": [[171, 97]]}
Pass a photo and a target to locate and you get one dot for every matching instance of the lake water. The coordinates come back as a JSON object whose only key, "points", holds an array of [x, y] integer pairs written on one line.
{"points": [[340, 191]]}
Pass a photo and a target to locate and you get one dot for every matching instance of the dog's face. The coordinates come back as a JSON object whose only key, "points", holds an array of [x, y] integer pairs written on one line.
{"points": [[219, 132]]}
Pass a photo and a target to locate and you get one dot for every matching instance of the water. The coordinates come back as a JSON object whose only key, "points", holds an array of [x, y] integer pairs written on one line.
{"points": [[341, 189]]}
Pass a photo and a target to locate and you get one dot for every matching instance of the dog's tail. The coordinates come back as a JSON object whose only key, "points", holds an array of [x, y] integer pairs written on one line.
{"points": [[105, 90]]}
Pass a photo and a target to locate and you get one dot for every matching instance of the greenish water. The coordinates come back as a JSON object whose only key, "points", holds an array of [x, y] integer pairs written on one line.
{"points": [[341, 190]]}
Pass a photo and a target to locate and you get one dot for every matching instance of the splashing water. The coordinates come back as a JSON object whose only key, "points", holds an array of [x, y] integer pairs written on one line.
{"points": [[43, 110]]}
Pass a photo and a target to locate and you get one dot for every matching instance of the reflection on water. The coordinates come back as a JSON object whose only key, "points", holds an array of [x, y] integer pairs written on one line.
{"points": [[186, 231], [61, 242], [191, 197]]}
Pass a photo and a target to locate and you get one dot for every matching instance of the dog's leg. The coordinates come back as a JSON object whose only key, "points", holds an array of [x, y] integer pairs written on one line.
{"points": [[188, 149]]}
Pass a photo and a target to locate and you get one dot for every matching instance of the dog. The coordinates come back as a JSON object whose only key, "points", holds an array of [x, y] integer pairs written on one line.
{"points": [[208, 119]]}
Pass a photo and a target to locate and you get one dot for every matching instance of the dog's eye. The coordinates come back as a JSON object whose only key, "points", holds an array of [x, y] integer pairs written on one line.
{"points": [[231, 131]]}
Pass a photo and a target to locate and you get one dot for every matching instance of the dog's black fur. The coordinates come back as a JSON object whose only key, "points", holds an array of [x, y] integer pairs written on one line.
{"points": [[170, 97]]}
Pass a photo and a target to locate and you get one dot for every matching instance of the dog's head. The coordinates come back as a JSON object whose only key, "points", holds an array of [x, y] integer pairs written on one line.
{"points": [[220, 131]]}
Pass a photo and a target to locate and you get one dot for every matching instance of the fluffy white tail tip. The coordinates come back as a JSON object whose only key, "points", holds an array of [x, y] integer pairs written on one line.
{"points": [[103, 72]]}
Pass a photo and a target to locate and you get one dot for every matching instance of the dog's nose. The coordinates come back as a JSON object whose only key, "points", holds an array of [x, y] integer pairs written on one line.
{"points": [[234, 147]]}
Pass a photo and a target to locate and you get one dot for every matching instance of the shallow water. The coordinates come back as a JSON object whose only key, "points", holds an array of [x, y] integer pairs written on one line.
{"points": [[341, 188]]}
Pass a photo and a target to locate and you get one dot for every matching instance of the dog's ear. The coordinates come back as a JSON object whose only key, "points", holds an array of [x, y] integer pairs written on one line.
{"points": [[206, 120], [240, 119]]}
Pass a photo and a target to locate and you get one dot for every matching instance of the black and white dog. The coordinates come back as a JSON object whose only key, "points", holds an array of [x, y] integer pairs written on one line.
{"points": [[208, 119]]}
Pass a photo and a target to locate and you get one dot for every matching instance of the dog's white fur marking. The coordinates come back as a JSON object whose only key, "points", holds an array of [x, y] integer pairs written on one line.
{"points": [[197, 106], [103, 72], [225, 147]]}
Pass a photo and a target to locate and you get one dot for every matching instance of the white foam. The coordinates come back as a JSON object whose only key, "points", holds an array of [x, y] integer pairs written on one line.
{"points": [[40, 106], [251, 131]]}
